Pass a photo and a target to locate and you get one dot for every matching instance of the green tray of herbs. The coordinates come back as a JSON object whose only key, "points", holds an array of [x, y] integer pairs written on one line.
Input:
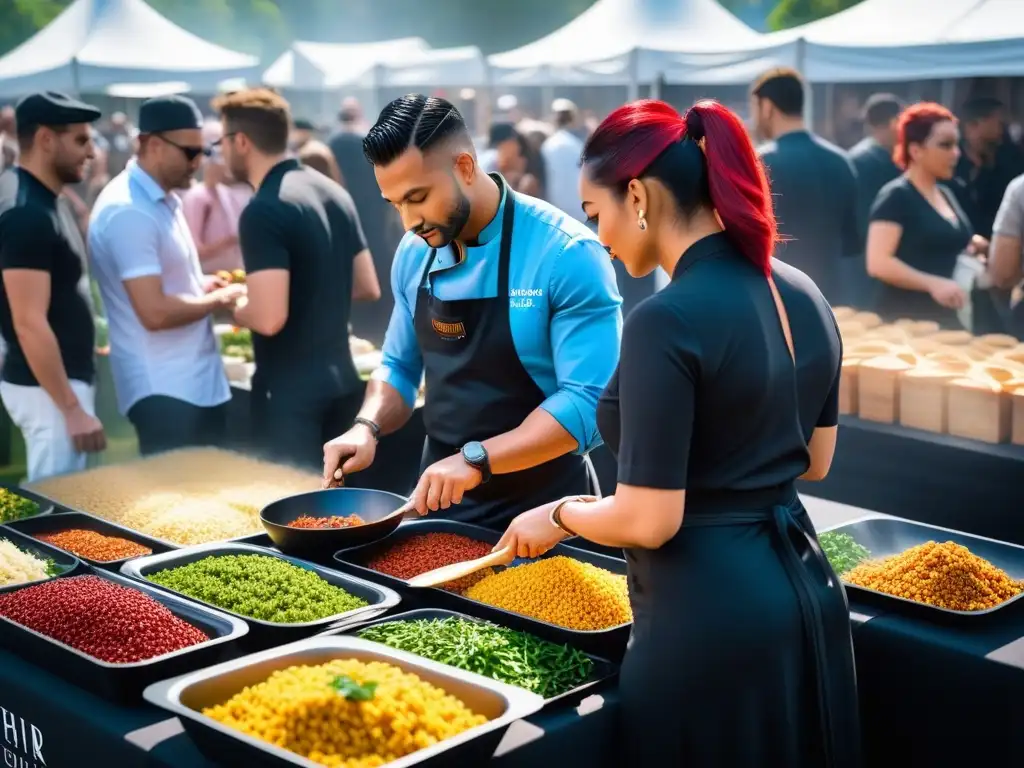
{"points": [[548, 669], [17, 505]]}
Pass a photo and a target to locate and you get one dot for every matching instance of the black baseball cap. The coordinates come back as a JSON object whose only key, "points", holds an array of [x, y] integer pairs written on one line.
{"points": [[169, 113], [54, 108]]}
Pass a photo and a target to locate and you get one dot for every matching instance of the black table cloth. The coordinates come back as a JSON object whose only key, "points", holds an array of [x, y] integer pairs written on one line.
{"points": [[933, 694]]}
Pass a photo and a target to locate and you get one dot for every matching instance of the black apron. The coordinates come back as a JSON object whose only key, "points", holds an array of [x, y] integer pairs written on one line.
{"points": [[477, 388], [744, 564]]}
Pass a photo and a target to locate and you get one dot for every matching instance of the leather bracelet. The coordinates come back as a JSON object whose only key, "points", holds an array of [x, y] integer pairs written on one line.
{"points": [[556, 515], [373, 427]]}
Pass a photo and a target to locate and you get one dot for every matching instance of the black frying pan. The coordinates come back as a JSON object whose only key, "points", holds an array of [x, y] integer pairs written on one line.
{"points": [[373, 507]]}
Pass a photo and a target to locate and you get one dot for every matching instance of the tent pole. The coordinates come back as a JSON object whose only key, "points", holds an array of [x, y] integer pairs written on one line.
{"points": [[76, 85]]}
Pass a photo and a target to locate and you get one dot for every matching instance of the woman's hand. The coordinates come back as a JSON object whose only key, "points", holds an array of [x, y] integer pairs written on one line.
{"points": [[978, 246], [947, 293], [532, 533]]}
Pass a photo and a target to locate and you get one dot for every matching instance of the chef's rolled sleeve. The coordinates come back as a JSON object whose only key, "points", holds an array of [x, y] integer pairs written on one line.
{"points": [[401, 360], [585, 331]]}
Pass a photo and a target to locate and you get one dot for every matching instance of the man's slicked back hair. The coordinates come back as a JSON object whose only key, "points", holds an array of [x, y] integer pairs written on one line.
{"points": [[411, 121]]}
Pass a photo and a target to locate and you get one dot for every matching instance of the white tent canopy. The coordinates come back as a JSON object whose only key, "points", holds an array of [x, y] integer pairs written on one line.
{"points": [[441, 68], [625, 41], [899, 40], [316, 66], [97, 43]]}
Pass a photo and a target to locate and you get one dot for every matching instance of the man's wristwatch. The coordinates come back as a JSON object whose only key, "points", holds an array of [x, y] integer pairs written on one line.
{"points": [[373, 427], [476, 456]]}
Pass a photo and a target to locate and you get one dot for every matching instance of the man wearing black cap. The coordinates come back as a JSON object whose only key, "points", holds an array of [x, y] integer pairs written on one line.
{"points": [[45, 316], [306, 260], [167, 369]]}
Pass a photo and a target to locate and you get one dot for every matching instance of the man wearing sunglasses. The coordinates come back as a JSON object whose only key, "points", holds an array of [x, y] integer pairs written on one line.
{"points": [[167, 369]]}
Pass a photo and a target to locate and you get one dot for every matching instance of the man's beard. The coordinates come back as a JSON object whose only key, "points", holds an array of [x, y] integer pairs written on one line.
{"points": [[70, 173], [453, 227]]}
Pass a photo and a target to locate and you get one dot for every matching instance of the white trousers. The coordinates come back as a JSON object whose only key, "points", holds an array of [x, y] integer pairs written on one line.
{"points": [[49, 448]]}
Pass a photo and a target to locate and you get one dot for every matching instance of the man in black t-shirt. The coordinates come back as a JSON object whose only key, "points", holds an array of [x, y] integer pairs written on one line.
{"points": [[306, 260], [45, 314]]}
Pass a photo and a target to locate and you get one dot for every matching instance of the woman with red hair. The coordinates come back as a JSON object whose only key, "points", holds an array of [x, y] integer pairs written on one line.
{"points": [[917, 228], [726, 393]]}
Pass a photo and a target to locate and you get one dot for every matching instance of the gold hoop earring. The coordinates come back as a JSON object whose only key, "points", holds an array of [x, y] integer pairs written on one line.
{"points": [[641, 221]]}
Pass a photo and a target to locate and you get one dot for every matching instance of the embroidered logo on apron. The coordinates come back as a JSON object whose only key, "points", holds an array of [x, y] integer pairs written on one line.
{"points": [[449, 331]]}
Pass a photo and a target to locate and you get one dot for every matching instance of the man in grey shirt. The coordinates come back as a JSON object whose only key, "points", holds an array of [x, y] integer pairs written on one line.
{"points": [[813, 184], [1006, 253]]}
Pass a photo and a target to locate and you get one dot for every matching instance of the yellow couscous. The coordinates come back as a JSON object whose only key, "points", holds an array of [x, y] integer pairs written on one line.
{"points": [[346, 713], [559, 590]]}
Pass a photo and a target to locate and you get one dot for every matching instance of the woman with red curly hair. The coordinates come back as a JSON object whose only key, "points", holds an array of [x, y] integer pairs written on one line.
{"points": [[917, 228], [725, 394]]}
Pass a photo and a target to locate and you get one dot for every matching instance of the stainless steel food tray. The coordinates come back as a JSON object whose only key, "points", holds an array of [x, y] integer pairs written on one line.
{"points": [[608, 643], [46, 506], [602, 670], [63, 521], [265, 633], [65, 564], [884, 536], [188, 695], [124, 683]]}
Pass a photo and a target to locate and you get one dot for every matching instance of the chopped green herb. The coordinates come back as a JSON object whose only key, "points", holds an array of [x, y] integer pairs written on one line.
{"points": [[352, 690], [15, 507], [842, 551], [503, 654]]}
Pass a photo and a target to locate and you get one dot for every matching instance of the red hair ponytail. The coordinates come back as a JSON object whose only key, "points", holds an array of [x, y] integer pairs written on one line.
{"points": [[736, 180]]}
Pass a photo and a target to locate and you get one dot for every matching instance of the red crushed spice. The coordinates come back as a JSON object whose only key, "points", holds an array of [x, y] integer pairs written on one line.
{"points": [[334, 521], [107, 621], [427, 551], [93, 545]]}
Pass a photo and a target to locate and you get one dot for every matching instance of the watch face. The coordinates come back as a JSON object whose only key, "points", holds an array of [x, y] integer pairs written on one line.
{"points": [[474, 453]]}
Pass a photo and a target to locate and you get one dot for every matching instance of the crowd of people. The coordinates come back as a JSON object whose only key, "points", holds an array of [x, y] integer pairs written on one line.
{"points": [[715, 394]]}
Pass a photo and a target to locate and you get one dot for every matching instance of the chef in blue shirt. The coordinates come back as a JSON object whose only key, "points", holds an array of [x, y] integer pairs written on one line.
{"points": [[509, 309]]}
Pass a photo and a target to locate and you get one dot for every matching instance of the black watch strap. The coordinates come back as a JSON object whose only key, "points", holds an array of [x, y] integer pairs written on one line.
{"points": [[476, 456], [370, 425]]}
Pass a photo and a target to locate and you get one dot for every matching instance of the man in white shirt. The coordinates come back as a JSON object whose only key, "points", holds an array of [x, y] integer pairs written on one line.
{"points": [[561, 153], [167, 369]]}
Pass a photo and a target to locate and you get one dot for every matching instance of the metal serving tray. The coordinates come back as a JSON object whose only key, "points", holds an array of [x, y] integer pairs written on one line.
{"points": [[885, 536], [62, 521], [601, 671], [124, 683], [187, 696], [46, 506], [64, 563], [262, 633], [607, 643]]}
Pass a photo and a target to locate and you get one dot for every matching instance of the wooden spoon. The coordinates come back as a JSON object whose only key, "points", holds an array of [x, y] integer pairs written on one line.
{"points": [[454, 571]]}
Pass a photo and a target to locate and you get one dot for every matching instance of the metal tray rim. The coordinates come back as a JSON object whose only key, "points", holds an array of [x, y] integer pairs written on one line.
{"points": [[550, 553], [47, 506], [5, 533], [133, 569], [128, 532], [915, 603], [409, 616], [518, 703], [238, 628]]}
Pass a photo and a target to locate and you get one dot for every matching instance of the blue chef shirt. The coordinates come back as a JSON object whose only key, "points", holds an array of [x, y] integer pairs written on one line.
{"points": [[564, 309]]}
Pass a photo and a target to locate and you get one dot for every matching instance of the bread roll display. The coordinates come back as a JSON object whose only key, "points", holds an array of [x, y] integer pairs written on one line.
{"points": [[912, 373]]}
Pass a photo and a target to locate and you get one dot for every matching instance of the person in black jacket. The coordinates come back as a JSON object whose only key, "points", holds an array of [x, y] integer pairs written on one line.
{"points": [[814, 186]]}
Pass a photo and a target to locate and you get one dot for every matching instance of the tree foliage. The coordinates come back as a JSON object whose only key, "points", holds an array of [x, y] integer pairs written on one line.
{"points": [[793, 13], [265, 27]]}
